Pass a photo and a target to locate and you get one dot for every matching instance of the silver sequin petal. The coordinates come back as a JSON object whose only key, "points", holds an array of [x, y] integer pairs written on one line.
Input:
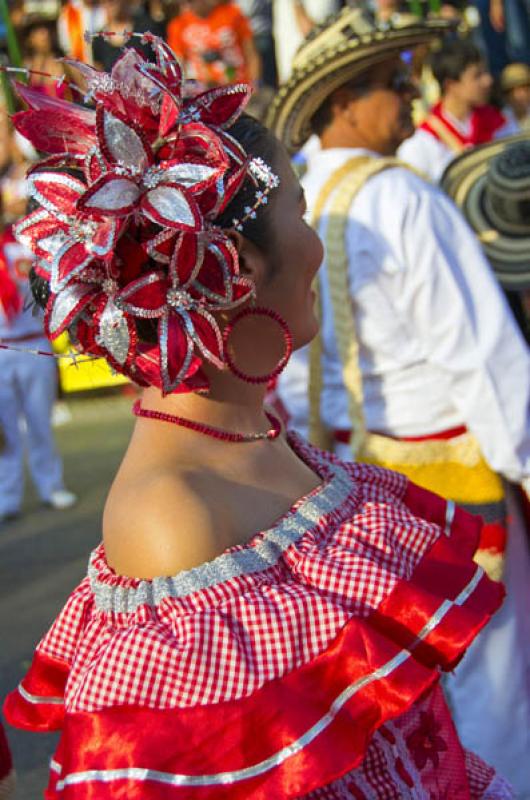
{"points": [[114, 333]]}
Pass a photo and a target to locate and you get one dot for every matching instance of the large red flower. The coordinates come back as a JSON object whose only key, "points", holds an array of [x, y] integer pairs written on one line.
{"points": [[65, 243], [129, 235]]}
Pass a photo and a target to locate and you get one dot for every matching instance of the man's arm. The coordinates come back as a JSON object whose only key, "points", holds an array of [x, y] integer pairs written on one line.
{"points": [[303, 20], [459, 312]]}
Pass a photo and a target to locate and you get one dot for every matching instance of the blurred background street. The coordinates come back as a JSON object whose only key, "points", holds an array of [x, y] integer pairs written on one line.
{"points": [[44, 553]]}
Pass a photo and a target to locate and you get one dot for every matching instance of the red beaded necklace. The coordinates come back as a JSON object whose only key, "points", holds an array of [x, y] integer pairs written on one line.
{"points": [[209, 430]]}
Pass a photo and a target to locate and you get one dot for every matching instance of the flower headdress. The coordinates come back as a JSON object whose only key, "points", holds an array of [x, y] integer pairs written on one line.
{"points": [[127, 199]]}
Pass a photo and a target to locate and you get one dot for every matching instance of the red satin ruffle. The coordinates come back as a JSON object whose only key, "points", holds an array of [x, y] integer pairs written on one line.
{"points": [[326, 711]]}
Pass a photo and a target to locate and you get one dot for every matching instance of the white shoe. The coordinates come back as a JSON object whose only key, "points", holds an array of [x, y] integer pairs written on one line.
{"points": [[62, 499]]}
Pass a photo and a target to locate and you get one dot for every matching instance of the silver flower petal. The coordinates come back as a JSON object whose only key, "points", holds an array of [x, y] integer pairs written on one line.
{"points": [[123, 143], [65, 305], [167, 205], [114, 333], [187, 174], [116, 194]]}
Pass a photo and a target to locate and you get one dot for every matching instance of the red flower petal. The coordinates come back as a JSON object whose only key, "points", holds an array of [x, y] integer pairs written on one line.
{"points": [[169, 114], [171, 206], [53, 125], [121, 141], [145, 370], [145, 297], [160, 247], [69, 263], [196, 142], [62, 308], [57, 192], [41, 233], [111, 194], [187, 258], [166, 74], [168, 64], [94, 166], [207, 336], [220, 106], [105, 237], [176, 352], [242, 290], [42, 269], [63, 160], [131, 258], [214, 279]]}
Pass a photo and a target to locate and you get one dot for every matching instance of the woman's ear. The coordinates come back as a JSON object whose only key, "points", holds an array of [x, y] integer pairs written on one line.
{"points": [[251, 262]]}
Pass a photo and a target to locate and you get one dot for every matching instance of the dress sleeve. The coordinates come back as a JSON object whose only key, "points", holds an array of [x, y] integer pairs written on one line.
{"points": [[459, 313]]}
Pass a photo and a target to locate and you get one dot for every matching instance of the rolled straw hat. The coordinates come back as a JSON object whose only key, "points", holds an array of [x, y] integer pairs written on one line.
{"points": [[515, 75], [491, 184], [345, 46]]}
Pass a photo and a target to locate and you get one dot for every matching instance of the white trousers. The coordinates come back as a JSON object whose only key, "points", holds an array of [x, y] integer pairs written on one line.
{"points": [[28, 387], [489, 692]]}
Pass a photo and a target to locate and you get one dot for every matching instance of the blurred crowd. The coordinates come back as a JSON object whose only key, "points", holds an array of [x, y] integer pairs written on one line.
{"points": [[222, 41]]}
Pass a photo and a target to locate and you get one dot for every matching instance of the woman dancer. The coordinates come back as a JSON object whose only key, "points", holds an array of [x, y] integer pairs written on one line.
{"points": [[261, 620]]}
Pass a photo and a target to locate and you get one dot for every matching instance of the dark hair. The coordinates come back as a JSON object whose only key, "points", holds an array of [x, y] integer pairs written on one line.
{"points": [[452, 59], [257, 141], [322, 118]]}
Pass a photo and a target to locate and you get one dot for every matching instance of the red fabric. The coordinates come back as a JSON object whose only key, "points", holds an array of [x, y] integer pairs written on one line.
{"points": [[485, 122], [373, 597], [6, 762], [343, 435], [493, 537], [10, 296], [421, 748]]}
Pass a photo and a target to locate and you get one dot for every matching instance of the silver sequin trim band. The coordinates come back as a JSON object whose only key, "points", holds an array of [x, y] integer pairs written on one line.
{"points": [[265, 554]]}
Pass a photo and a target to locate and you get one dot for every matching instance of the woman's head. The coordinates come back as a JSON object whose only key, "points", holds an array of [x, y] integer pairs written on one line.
{"points": [[169, 229], [278, 250], [40, 38]]}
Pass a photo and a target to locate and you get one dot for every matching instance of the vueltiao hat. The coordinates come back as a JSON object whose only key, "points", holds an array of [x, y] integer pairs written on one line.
{"points": [[491, 184], [345, 46]]}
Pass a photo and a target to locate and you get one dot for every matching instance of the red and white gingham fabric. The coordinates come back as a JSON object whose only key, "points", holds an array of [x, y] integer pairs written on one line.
{"points": [[418, 757], [224, 641], [220, 632]]}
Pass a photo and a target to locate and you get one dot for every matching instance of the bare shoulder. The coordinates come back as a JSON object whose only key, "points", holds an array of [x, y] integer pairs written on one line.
{"points": [[159, 527]]}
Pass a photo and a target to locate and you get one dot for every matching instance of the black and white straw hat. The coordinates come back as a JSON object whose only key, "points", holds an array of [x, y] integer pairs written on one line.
{"points": [[345, 46], [491, 184]]}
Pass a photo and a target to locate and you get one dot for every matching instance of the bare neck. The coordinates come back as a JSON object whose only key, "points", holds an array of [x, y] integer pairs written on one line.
{"points": [[230, 404], [339, 135], [456, 107]]}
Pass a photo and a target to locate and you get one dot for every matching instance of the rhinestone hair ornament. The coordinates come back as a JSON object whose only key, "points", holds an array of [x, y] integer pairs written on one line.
{"points": [[127, 197]]}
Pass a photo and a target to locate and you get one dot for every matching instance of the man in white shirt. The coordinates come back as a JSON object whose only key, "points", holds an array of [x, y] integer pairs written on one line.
{"points": [[462, 118], [419, 347]]}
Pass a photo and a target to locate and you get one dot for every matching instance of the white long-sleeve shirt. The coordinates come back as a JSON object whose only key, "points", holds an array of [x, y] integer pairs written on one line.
{"points": [[438, 344], [431, 156]]}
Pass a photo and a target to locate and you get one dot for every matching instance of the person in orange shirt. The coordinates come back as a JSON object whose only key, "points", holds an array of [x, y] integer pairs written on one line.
{"points": [[214, 40]]}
